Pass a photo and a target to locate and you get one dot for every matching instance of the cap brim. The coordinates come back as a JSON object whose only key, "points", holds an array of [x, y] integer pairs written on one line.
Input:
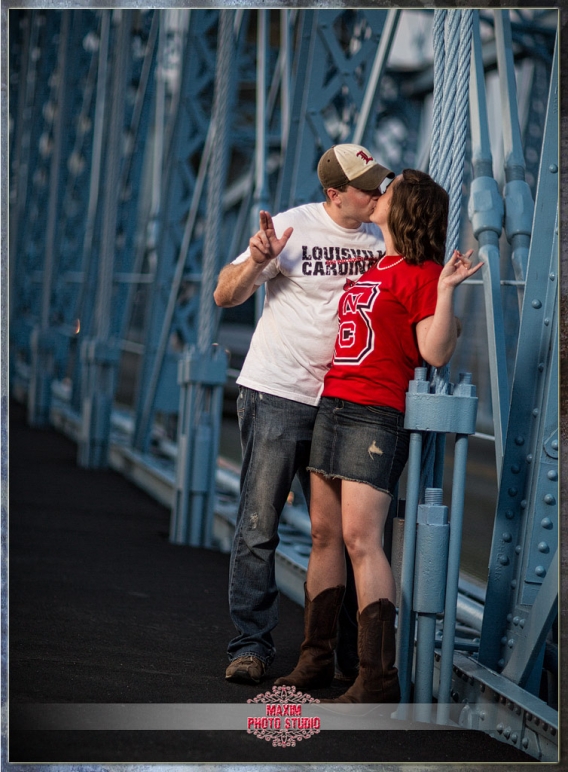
{"points": [[372, 178]]}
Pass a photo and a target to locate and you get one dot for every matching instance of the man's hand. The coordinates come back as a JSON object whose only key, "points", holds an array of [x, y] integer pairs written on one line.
{"points": [[264, 245]]}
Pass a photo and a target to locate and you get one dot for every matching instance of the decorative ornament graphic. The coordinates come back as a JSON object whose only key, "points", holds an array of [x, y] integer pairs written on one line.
{"points": [[283, 725]]}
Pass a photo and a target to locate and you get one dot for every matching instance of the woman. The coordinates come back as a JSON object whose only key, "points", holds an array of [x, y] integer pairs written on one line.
{"points": [[399, 313]]}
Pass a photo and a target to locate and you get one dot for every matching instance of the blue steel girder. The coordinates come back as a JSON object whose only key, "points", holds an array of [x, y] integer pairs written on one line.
{"points": [[73, 176], [328, 84], [137, 101], [30, 228], [172, 319], [157, 387], [526, 522]]}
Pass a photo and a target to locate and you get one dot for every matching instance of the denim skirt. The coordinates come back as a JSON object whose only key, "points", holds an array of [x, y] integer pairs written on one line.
{"points": [[363, 443]]}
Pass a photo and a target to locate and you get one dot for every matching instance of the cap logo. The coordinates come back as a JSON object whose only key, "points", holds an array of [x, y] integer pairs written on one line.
{"points": [[364, 156]]}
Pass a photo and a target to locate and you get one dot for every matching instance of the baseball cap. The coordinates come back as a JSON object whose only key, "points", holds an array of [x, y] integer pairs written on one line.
{"points": [[349, 164]]}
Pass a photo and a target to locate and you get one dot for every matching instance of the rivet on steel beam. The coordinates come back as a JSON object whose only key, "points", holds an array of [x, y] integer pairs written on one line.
{"points": [[553, 168], [535, 411], [516, 620], [511, 643], [514, 737], [540, 367], [512, 492], [536, 303], [543, 547], [552, 474], [546, 522], [552, 276], [523, 504], [540, 571], [514, 583], [501, 663], [525, 742], [500, 728], [504, 640], [546, 322], [504, 560], [522, 622], [509, 514], [529, 458], [549, 499], [519, 440], [518, 549], [507, 537], [515, 469]]}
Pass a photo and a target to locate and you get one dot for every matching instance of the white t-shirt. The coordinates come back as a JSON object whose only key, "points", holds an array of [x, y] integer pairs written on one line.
{"points": [[292, 345]]}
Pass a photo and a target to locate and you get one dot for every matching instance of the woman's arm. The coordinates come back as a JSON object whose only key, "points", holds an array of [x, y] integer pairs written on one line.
{"points": [[437, 334], [237, 283]]}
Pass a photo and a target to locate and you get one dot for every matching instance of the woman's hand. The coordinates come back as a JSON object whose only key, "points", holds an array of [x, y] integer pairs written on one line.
{"points": [[458, 269]]}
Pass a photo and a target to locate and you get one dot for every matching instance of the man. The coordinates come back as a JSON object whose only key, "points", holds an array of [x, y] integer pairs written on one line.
{"points": [[322, 247]]}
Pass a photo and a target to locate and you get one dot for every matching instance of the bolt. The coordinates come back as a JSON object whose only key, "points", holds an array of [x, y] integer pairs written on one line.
{"points": [[543, 547], [507, 537], [507, 732], [514, 737], [540, 571], [552, 474], [504, 560], [516, 620], [546, 522], [500, 728], [536, 304], [510, 643], [549, 499], [553, 169], [525, 742]]}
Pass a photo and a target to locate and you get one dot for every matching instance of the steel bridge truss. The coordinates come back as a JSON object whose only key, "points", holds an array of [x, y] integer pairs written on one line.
{"points": [[142, 146]]}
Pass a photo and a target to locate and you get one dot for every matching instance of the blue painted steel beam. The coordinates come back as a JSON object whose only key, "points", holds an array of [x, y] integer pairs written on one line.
{"points": [[523, 520]]}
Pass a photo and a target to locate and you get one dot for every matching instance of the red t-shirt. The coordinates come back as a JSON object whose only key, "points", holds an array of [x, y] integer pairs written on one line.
{"points": [[376, 350]]}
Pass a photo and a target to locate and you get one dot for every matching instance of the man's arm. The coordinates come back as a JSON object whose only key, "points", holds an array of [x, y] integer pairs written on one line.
{"points": [[237, 282]]}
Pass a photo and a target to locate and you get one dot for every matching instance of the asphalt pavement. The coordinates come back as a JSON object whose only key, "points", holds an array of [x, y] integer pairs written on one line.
{"points": [[103, 609]]}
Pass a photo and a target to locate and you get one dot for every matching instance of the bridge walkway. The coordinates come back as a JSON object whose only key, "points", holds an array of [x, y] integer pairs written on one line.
{"points": [[104, 609]]}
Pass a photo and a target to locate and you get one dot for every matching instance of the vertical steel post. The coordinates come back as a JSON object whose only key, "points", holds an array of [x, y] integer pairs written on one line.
{"points": [[519, 205], [486, 211], [405, 632], [99, 354], [432, 538], [42, 342], [466, 390]]}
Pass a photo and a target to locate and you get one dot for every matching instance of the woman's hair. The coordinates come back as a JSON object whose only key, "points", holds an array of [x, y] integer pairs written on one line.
{"points": [[418, 217]]}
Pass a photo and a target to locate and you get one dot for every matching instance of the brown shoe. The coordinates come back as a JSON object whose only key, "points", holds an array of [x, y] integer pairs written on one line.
{"points": [[246, 670], [316, 665], [378, 677]]}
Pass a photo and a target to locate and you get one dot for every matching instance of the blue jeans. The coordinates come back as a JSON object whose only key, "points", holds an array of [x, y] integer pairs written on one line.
{"points": [[276, 436]]}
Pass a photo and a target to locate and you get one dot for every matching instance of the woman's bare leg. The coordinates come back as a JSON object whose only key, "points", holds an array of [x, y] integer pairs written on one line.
{"points": [[364, 513], [327, 558]]}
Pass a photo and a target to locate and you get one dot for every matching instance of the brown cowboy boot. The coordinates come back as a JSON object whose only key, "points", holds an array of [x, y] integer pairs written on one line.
{"points": [[316, 665], [378, 677]]}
